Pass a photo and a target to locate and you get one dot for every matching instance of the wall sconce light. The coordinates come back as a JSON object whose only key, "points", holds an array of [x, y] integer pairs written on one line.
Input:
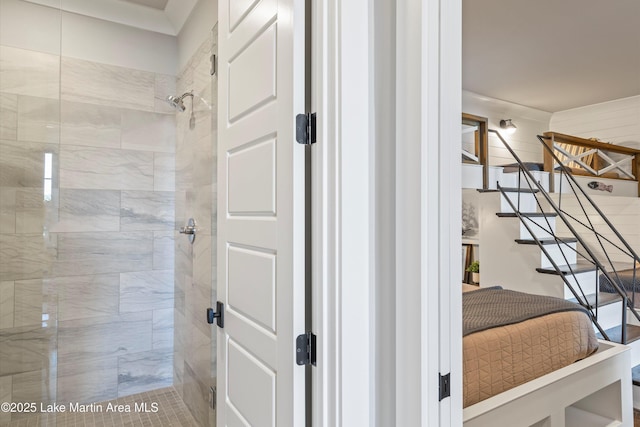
{"points": [[508, 127]]}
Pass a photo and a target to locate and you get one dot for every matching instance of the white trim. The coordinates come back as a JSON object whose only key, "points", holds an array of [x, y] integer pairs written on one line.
{"points": [[577, 158], [344, 380], [571, 158], [409, 358], [613, 165], [469, 156], [383, 209], [327, 396], [354, 210], [428, 211], [450, 108], [347, 217]]}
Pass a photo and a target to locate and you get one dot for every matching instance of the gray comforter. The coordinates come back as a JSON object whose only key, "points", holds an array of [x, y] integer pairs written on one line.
{"points": [[493, 307]]}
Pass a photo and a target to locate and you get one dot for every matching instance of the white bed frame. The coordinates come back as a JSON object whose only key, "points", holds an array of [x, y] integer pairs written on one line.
{"points": [[596, 391]]}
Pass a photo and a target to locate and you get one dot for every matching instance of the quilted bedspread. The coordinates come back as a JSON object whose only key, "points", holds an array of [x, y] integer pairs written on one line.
{"points": [[500, 358]]}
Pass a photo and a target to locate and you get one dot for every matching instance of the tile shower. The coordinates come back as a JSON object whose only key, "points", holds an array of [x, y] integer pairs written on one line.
{"points": [[86, 266], [90, 198]]}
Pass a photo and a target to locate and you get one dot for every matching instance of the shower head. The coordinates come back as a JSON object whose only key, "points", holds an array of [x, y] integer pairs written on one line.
{"points": [[177, 102]]}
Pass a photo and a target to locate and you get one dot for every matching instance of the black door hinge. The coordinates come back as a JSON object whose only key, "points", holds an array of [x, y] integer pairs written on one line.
{"points": [[306, 128], [214, 64], [445, 385], [217, 315], [306, 349]]}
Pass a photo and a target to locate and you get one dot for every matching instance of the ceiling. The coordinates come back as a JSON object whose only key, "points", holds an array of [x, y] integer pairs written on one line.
{"points": [[551, 55], [160, 16]]}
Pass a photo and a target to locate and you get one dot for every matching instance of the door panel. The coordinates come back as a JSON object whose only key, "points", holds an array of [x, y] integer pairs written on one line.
{"points": [[254, 339], [252, 180], [252, 387], [258, 233], [254, 291], [252, 75], [261, 220], [238, 10]]}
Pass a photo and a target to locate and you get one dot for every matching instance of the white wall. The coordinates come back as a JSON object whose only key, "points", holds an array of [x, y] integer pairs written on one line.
{"points": [[116, 44], [615, 121], [29, 26], [529, 121], [34, 27], [623, 212], [197, 28]]}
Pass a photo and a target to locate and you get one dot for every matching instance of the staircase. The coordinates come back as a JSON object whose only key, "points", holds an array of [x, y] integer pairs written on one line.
{"points": [[521, 250]]}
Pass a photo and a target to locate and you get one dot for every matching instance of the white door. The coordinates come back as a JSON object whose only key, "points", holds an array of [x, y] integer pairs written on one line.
{"points": [[261, 213]]}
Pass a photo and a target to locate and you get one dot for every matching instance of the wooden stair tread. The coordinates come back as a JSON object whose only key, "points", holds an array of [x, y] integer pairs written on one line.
{"points": [[577, 268], [615, 333], [604, 298], [547, 241], [527, 214], [619, 266], [510, 190]]}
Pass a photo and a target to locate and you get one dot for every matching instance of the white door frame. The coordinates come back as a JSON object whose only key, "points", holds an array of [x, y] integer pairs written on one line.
{"points": [[429, 318], [427, 312], [341, 200]]}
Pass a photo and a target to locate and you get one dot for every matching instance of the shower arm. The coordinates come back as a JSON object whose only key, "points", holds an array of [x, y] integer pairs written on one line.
{"points": [[184, 95]]}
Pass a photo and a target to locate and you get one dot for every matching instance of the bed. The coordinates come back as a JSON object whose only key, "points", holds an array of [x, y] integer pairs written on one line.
{"points": [[511, 338]]}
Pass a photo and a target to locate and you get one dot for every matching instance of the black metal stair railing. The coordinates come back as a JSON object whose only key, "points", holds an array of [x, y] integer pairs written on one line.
{"points": [[584, 250], [622, 246]]}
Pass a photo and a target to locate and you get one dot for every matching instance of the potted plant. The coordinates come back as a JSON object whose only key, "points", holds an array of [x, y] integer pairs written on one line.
{"points": [[474, 269]]}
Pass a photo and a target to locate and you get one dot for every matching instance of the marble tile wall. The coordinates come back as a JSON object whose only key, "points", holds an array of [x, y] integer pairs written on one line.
{"points": [[8, 116], [86, 273], [194, 354], [29, 73], [100, 84]]}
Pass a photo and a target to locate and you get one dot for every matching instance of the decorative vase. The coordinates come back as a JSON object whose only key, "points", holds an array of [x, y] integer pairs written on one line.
{"points": [[475, 277]]}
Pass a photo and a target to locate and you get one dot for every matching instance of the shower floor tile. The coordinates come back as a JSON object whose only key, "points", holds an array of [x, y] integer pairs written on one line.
{"points": [[171, 412]]}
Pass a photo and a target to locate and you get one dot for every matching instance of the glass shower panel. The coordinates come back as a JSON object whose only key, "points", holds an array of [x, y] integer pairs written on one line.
{"points": [[114, 229], [29, 150], [196, 155]]}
